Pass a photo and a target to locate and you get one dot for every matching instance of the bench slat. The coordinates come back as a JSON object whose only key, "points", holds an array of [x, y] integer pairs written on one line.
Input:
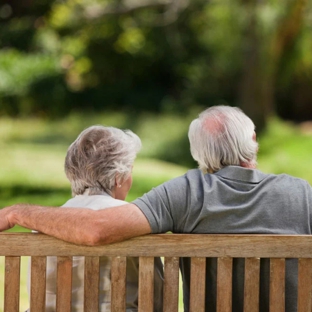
{"points": [[224, 284], [198, 284], [91, 284], [118, 286], [146, 284], [38, 283], [277, 285], [251, 285], [64, 284], [171, 285], [165, 245], [12, 284], [305, 285]]}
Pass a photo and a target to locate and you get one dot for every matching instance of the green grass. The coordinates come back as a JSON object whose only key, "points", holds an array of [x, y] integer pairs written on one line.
{"points": [[32, 154], [286, 148]]}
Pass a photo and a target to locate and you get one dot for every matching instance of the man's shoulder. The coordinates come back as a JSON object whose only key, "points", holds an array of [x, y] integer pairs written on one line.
{"points": [[289, 183], [288, 178]]}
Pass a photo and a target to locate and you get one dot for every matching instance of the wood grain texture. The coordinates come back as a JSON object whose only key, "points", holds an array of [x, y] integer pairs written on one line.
{"points": [[198, 284], [165, 245], [171, 246], [251, 285], [224, 284], [277, 285], [171, 284], [64, 284], [146, 284], [91, 284], [118, 280], [305, 285], [38, 283], [12, 284]]}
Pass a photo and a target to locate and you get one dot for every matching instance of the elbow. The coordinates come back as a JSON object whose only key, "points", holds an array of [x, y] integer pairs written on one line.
{"points": [[96, 237], [92, 240]]}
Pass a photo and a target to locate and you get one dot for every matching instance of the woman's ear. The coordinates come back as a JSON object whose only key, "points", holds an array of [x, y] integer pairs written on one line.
{"points": [[118, 182], [254, 136]]}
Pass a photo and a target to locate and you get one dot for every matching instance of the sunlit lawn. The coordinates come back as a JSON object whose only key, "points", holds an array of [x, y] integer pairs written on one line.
{"points": [[32, 154], [287, 148]]}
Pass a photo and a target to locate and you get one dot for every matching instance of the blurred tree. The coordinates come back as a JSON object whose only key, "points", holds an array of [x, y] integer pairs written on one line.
{"points": [[157, 55], [284, 40], [294, 75], [263, 51]]}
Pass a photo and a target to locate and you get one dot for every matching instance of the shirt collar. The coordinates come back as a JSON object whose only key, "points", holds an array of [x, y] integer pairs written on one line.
{"points": [[241, 174], [87, 193]]}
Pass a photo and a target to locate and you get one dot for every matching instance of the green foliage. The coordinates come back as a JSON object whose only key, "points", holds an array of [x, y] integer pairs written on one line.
{"points": [[18, 71], [59, 57]]}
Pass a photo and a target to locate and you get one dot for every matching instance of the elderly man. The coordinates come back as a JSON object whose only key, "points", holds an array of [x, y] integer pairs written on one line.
{"points": [[227, 194]]}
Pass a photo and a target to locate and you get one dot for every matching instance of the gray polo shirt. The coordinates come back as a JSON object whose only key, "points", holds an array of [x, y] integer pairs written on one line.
{"points": [[233, 200]]}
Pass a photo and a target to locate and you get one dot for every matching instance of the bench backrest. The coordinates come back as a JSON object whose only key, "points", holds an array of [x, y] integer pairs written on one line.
{"points": [[171, 247]]}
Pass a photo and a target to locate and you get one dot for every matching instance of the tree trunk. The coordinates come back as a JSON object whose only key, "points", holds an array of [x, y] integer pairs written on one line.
{"points": [[251, 90], [284, 38], [257, 88]]}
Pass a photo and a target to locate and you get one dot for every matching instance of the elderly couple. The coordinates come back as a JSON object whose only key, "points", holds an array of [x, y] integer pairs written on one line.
{"points": [[227, 194]]}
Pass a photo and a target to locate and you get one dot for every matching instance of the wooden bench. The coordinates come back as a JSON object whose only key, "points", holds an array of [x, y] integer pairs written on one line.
{"points": [[171, 247]]}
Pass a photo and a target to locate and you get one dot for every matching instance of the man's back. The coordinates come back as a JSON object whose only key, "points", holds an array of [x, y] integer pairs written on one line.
{"points": [[232, 200]]}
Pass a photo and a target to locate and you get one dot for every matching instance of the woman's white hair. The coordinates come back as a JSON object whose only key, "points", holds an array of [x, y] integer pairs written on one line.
{"points": [[98, 157], [222, 136]]}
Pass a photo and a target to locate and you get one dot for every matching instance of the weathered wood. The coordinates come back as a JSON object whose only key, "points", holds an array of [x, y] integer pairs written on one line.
{"points": [[198, 284], [251, 285], [118, 280], [277, 285], [224, 285], [171, 284], [64, 284], [305, 285], [165, 245], [12, 284], [38, 283], [146, 284], [171, 246], [91, 284]]}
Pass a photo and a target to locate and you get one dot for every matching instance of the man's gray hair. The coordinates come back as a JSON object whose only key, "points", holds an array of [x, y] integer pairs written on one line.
{"points": [[98, 156], [222, 136]]}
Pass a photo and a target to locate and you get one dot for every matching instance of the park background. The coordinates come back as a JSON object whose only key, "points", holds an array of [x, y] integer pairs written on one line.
{"points": [[150, 66]]}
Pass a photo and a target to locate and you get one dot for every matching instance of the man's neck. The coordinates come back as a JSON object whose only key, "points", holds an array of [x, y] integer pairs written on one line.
{"points": [[249, 165]]}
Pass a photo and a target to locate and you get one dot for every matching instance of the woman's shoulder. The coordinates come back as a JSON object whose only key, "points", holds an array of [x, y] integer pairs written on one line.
{"points": [[93, 202]]}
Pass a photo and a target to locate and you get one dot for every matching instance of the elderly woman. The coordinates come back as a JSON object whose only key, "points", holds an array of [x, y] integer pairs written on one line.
{"points": [[99, 165]]}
